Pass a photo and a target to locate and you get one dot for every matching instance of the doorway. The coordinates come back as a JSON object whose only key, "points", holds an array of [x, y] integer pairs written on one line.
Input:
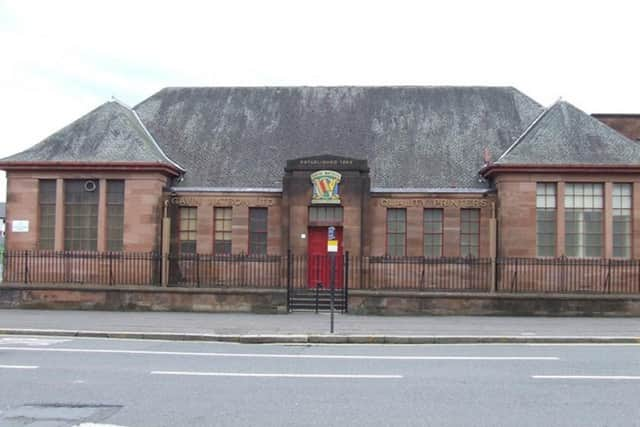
{"points": [[318, 262]]}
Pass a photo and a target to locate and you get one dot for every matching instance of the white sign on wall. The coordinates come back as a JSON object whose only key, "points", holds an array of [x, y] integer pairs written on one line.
{"points": [[20, 226]]}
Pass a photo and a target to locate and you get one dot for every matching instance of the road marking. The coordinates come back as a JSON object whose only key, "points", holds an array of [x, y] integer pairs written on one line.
{"points": [[585, 377], [584, 344], [96, 425], [276, 356], [18, 367], [30, 341], [277, 375]]}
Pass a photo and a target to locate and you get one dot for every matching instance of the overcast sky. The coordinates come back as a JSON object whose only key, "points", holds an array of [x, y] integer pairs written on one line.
{"points": [[60, 59]]}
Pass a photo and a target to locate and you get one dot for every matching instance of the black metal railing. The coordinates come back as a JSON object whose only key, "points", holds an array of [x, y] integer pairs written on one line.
{"points": [[300, 272], [232, 271], [78, 267], [568, 275], [422, 274]]}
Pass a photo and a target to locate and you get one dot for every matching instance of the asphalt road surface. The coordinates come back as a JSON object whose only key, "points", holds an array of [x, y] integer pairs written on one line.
{"points": [[88, 382]]}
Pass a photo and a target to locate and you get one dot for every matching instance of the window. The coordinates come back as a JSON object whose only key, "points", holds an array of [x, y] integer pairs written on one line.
{"points": [[469, 232], [47, 213], [188, 224], [330, 214], [81, 215], [115, 214], [258, 231], [396, 231], [546, 219], [432, 232], [222, 218], [583, 220], [621, 220]]}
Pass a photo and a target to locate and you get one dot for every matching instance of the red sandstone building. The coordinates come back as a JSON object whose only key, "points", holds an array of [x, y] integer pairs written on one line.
{"points": [[428, 172]]}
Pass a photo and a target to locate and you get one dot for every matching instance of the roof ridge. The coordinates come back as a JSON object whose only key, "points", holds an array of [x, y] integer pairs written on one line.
{"points": [[528, 129], [344, 86], [599, 123], [146, 132], [120, 102], [155, 143], [414, 86], [521, 93]]}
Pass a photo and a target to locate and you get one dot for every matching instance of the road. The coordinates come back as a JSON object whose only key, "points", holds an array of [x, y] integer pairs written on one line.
{"points": [[67, 382]]}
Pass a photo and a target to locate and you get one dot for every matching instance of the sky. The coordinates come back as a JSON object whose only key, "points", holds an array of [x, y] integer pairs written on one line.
{"points": [[61, 59]]}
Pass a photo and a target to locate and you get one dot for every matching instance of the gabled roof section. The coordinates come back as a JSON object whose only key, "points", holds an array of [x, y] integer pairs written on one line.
{"points": [[411, 137], [111, 133], [565, 135]]}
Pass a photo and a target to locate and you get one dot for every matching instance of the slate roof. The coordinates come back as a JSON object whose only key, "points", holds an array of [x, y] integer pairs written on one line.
{"points": [[563, 134], [110, 133], [412, 137]]}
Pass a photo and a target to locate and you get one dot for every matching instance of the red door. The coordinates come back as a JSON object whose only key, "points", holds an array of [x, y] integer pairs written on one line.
{"points": [[318, 264]]}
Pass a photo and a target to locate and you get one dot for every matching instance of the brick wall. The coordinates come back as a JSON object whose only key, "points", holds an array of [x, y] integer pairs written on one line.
{"points": [[415, 205], [142, 208], [240, 203], [517, 210], [22, 203]]}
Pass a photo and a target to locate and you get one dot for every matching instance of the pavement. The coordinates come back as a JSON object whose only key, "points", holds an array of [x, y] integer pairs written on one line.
{"points": [[314, 328]]}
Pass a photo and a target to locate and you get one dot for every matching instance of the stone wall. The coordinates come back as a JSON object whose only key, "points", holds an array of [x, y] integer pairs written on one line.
{"points": [[143, 299], [275, 301], [414, 303]]}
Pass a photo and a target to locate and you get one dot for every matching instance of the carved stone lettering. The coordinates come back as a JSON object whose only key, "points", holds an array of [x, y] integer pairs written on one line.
{"points": [[434, 203], [328, 162], [222, 201]]}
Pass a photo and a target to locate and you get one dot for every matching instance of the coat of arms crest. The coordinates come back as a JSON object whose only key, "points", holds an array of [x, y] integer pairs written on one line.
{"points": [[325, 187]]}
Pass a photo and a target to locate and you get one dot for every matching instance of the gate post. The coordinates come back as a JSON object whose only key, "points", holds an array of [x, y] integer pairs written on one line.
{"points": [[110, 255], [332, 276], [493, 249], [4, 255], [346, 282], [26, 266], [164, 250], [288, 273], [493, 276]]}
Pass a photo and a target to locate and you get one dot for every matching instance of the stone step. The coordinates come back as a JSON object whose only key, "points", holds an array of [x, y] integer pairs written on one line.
{"points": [[313, 300], [320, 308], [309, 301], [323, 297], [303, 293]]}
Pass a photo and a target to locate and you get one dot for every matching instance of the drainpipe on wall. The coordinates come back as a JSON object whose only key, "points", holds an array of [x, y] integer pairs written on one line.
{"points": [[493, 246], [166, 232]]}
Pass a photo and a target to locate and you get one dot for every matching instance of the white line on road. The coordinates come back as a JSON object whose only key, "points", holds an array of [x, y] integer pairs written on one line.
{"points": [[585, 377], [96, 425], [580, 344], [276, 356], [18, 367], [276, 375], [30, 341]]}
